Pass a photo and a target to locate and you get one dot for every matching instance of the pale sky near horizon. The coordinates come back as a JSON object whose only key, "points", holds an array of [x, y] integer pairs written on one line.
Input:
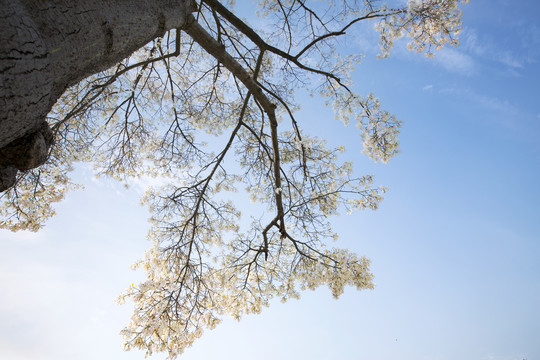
{"points": [[455, 246]]}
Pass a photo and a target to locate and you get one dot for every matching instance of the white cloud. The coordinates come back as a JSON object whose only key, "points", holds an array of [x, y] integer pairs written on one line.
{"points": [[487, 49], [456, 61], [498, 111], [471, 44], [487, 102], [143, 183], [475, 51], [365, 38], [510, 60]]}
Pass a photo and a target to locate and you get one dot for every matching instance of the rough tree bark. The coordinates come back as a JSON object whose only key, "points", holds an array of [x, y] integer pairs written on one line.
{"points": [[49, 45]]}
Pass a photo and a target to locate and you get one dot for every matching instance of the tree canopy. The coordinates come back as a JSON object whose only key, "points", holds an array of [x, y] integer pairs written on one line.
{"points": [[231, 82]]}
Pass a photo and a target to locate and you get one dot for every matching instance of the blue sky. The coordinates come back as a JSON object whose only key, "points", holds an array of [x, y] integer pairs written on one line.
{"points": [[455, 245]]}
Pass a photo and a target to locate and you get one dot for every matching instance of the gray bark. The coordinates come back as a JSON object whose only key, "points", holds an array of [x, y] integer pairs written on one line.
{"points": [[49, 45]]}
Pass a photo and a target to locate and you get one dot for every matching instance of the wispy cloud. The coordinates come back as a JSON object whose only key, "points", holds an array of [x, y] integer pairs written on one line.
{"points": [[509, 54], [366, 39], [512, 59], [143, 183], [499, 111], [456, 61], [476, 52], [487, 102]]}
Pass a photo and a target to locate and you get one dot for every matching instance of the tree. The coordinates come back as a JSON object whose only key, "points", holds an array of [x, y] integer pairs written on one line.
{"points": [[48, 46], [214, 77]]}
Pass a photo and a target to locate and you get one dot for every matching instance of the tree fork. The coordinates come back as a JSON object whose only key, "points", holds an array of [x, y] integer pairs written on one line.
{"points": [[218, 51], [48, 45]]}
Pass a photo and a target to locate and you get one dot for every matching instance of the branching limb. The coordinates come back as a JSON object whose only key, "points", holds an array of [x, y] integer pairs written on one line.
{"points": [[208, 43]]}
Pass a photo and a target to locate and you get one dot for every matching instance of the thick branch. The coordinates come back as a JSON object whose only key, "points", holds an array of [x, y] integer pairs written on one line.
{"points": [[218, 51], [257, 40]]}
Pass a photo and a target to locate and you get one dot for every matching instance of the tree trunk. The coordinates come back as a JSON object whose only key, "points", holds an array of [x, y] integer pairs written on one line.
{"points": [[49, 45]]}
